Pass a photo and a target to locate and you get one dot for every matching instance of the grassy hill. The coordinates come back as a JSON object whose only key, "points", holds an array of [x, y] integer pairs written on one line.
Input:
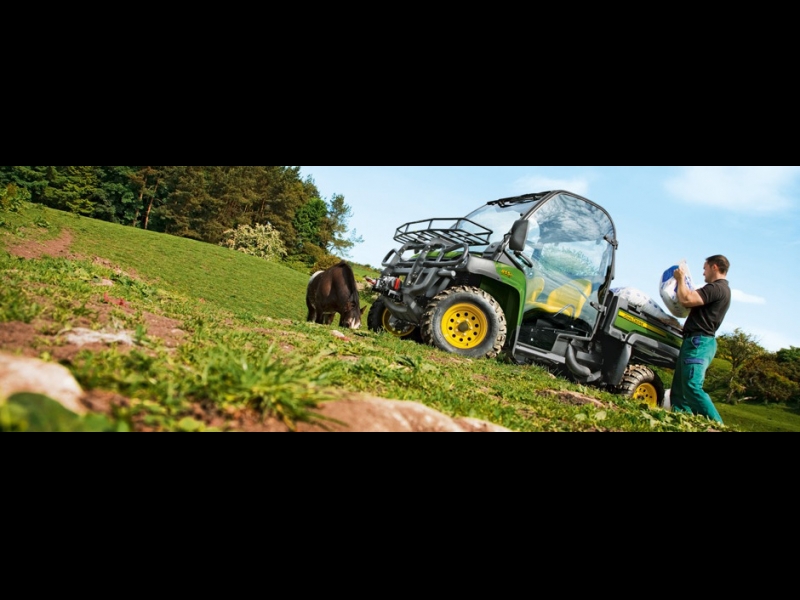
{"points": [[219, 334]]}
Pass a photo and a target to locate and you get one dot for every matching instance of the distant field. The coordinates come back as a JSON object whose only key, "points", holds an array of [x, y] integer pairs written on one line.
{"points": [[760, 418]]}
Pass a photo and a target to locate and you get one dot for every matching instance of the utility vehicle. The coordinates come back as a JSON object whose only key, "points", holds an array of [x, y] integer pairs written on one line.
{"points": [[529, 276]]}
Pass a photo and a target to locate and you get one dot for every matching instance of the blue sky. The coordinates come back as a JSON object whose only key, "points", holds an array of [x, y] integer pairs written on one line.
{"points": [[661, 214]]}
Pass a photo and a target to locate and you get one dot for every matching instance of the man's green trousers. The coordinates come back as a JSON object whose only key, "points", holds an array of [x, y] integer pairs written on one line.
{"points": [[687, 394]]}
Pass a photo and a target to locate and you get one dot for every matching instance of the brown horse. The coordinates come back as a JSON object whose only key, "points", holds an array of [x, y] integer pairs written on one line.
{"points": [[334, 291]]}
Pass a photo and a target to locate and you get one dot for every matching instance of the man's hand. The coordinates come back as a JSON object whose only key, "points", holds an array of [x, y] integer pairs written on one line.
{"points": [[688, 298], [678, 274]]}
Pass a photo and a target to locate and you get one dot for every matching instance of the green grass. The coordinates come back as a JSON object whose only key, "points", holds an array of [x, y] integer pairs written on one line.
{"points": [[245, 285], [760, 417], [248, 347]]}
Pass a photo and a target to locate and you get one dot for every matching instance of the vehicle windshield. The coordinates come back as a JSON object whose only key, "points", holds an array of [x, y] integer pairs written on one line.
{"points": [[497, 217], [570, 244]]}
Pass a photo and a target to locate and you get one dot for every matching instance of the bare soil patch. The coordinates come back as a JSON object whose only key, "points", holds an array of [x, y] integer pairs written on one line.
{"points": [[58, 247]]}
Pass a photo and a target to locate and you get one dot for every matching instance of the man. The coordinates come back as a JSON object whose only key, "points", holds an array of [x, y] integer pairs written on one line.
{"points": [[709, 305]]}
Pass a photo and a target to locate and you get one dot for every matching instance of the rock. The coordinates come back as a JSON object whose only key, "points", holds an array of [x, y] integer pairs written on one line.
{"points": [[80, 336], [23, 374], [372, 414]]}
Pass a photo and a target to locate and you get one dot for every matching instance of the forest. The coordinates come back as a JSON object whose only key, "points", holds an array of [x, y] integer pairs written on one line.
{"points": [[274, 213], [201, 203]]}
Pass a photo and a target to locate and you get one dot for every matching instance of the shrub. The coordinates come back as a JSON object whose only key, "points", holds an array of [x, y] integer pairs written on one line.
{"points": [[311, 254], [12, 197], [325, 262], [763, 379], [263, 241], [296, 265]]}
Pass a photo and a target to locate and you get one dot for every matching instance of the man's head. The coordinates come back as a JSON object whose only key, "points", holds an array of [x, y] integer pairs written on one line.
{"points": [[715, 267]]}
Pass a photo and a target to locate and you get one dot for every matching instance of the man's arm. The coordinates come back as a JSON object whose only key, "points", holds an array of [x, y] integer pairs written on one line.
{"points": [[688, 298]]}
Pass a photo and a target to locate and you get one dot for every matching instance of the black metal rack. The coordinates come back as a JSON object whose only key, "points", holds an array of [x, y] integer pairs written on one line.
{"points": [[435, 230]]}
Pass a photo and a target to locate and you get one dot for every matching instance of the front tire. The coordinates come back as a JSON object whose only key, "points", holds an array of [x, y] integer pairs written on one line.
{"points": [[466, 321], [380, 319], [642, 383]]}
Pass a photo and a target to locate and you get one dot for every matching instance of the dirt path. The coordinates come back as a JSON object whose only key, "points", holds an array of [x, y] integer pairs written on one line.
{"points": [[58, 247]]}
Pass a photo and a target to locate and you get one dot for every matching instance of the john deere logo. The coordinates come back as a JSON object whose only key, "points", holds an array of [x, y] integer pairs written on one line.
{"points": [[506, 273], [642, 324]]}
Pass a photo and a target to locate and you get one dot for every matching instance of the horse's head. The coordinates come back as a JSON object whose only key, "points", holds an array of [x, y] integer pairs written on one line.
{"points": [[352, 317]]}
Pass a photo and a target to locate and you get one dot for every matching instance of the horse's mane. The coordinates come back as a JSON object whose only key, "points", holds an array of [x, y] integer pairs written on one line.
{"points": [[350, 277]]}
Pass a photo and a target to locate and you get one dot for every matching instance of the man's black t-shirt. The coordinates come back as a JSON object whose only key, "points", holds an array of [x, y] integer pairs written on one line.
{"points": [[706, 319]]}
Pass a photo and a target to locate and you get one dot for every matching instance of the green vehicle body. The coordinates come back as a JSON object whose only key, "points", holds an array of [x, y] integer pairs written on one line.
{"points": [[529, 276]]}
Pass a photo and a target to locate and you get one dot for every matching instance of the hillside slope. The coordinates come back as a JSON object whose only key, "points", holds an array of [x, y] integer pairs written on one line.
{"points": [[217, 341]]}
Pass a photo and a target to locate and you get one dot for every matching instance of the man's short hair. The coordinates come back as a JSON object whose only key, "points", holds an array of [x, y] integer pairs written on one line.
{"points": [[723, 264]]}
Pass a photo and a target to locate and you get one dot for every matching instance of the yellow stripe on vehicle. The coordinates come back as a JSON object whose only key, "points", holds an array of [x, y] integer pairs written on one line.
{"points": [[641, 323]]}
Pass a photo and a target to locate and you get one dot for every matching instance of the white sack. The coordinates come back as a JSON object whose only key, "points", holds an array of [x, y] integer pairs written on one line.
{"points": [[644, 303], [669, 289]]}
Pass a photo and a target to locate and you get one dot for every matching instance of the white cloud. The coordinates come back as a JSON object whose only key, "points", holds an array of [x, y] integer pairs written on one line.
{"points": [[752, 189], [773, 341], [536, 182], [740, 296]]}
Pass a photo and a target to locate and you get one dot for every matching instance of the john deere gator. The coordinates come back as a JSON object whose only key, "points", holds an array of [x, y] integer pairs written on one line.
{"points": [[529, 276]]}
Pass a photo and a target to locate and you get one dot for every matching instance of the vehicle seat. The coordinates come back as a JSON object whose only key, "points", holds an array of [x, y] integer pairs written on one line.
{"points": [[566, 299], [536, 288]]}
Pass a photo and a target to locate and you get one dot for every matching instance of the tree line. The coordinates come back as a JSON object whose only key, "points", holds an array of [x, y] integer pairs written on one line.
{"points": [[201, 203]]}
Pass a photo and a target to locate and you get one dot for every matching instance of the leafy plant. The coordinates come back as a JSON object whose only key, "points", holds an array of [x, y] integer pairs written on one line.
{"points": [[13, 197], [39, 413], [17, 307], [324, 262], [262, 240]]}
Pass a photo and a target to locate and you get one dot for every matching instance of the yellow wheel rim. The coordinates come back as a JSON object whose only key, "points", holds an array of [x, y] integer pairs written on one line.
{"points": [[464, 326], [394, 326], [646, 392]]}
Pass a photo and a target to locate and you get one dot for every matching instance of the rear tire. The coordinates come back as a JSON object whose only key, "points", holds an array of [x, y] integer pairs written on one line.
{"points": [[380, 319], [466, 321], [642, 383]]}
